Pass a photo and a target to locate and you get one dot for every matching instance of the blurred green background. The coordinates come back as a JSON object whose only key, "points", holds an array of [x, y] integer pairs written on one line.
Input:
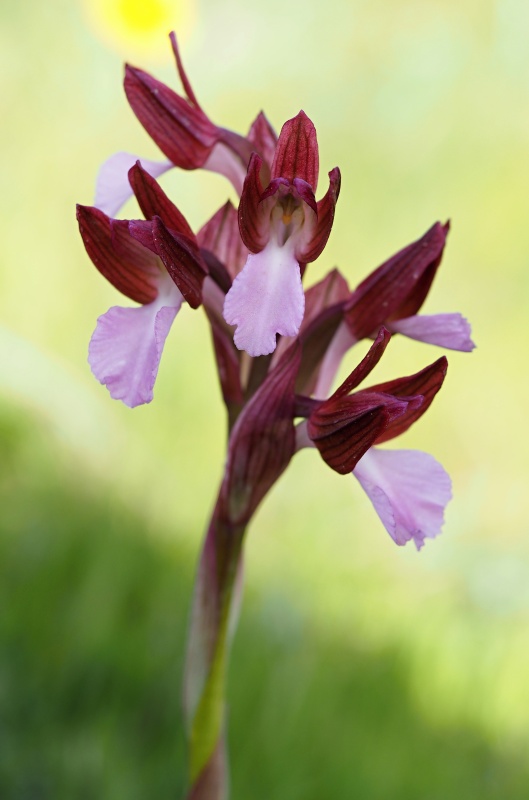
{"points": [[360, 669]]}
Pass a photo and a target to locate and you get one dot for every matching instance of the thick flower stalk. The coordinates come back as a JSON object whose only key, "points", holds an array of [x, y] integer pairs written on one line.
{"points": [[278, 348]]}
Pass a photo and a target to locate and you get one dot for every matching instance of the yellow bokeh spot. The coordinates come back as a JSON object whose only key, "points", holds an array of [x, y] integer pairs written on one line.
{"points": [[139, 27]]}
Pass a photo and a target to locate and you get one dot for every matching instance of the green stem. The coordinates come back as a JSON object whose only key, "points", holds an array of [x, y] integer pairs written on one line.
{"points": [[213, 617]]}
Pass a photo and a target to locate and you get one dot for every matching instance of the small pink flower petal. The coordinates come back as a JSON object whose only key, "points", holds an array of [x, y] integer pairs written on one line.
{"points": [[266, 298], [409, 491], [127, 345], [445, 330], [112, 186]]}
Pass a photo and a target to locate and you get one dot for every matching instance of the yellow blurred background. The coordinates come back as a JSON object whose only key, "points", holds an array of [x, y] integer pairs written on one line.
{"points": [[425, 108]]}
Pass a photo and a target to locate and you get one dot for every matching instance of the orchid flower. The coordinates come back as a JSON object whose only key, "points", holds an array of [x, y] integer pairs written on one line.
{"points": [[284, 228], [391, 296], [155, 266], [408, 489], [184, 134]]}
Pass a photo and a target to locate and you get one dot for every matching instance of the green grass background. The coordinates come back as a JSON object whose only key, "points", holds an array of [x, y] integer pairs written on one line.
{"points": [[359, 669]]}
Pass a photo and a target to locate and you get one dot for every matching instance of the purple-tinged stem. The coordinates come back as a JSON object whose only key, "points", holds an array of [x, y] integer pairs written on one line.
{"points": [[213, 618]]}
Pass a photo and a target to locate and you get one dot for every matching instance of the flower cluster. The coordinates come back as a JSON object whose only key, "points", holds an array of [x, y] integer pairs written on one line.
{"points": [[278, 346]]}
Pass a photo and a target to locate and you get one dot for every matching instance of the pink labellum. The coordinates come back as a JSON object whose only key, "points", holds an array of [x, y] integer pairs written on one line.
{"points": [[409, 491], [445, 330], [113, 188], [127, 344], [266, 299]]}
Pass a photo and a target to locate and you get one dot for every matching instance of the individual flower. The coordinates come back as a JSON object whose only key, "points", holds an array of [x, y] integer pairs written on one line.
{"points": [[408, 489], [153, 265], [183, 132], [391, 296], [284, 228]]}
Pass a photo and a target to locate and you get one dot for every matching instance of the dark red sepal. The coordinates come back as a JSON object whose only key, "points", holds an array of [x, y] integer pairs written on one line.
{"points": [[262, 441], [368, 363], [141, 230], [154, 202], [228, 363], [325, 209], [181, 71], [124, 262], [220, 235], [398, 287], [180, 128], [316, 338], [425, 383], [296, 154], [343, 443], [182, 260], [330, 290], [263, 138], [254, 222]]}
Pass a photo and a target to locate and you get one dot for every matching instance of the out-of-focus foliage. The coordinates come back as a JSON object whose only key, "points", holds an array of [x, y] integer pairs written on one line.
{"points": [[360, 669], [95, 604]]}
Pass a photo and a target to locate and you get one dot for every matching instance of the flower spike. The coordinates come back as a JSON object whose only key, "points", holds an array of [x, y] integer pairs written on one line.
{"points": [[244, 267]]}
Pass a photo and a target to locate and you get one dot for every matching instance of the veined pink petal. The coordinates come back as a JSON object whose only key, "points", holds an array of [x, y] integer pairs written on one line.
{"points": [[266, 298], [409, 491], [112, 186], [445, 330], [127, 345]]}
